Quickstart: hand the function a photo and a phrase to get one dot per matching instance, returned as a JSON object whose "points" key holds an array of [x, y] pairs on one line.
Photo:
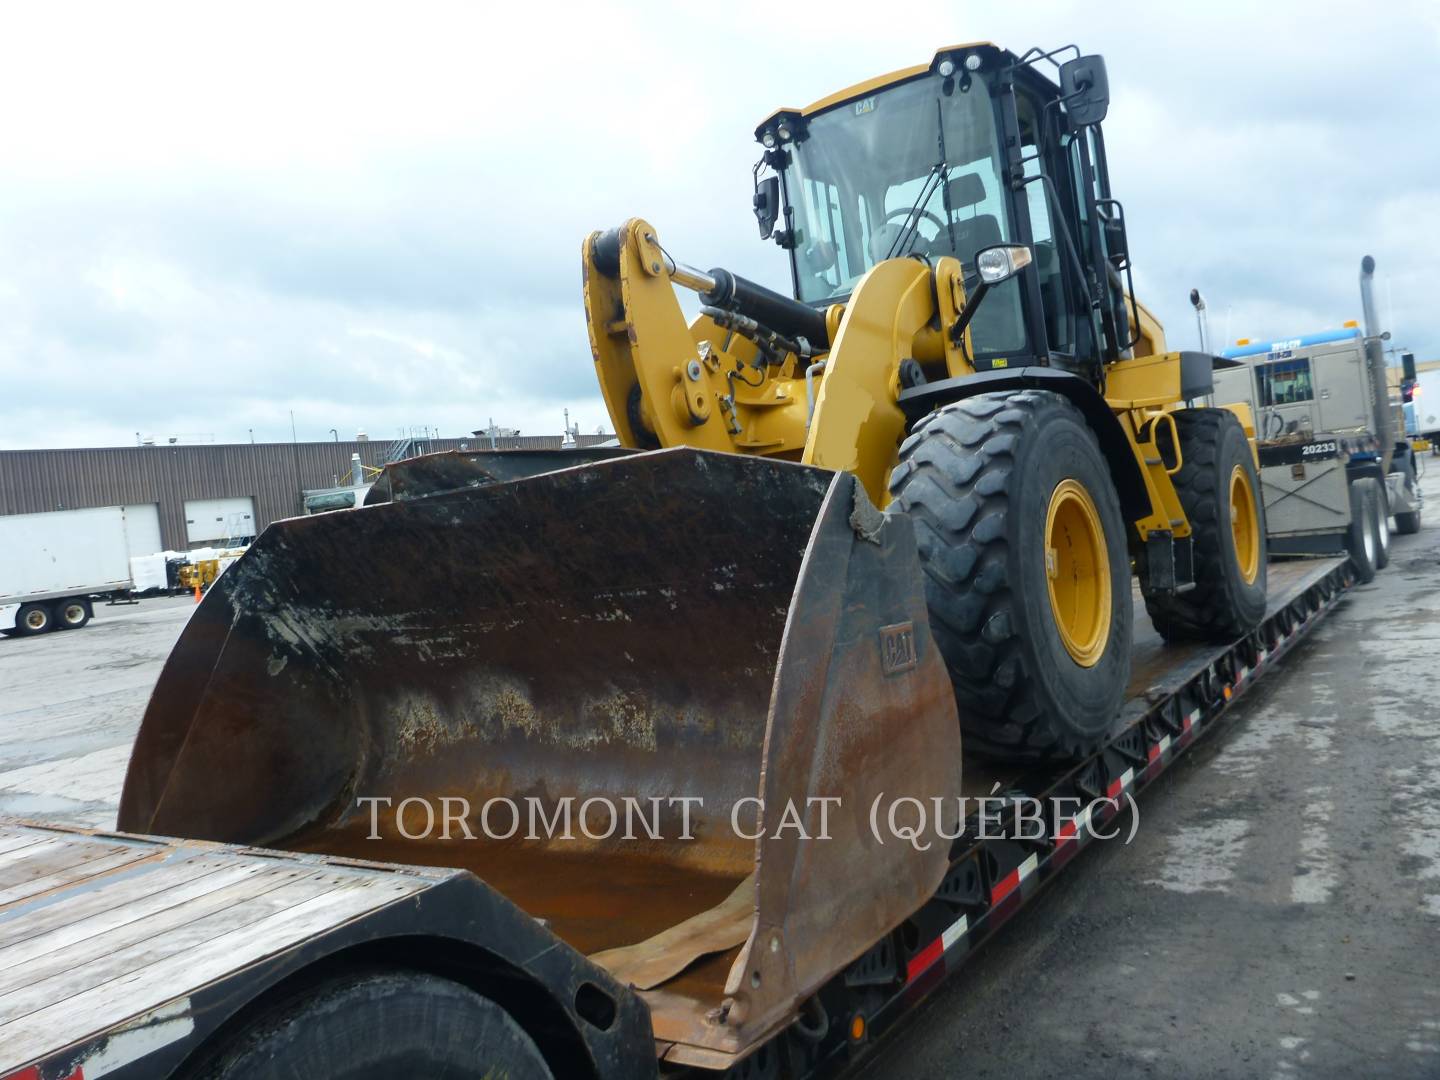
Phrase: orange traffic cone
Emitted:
{"points": [[197, 592]]}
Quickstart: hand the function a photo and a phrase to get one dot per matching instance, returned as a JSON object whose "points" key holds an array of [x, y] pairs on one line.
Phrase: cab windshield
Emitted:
{"points": [[862, 167]]}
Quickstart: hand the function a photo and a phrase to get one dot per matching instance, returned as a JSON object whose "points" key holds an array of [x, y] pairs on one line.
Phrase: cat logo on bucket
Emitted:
{"points": [[897, 648]]}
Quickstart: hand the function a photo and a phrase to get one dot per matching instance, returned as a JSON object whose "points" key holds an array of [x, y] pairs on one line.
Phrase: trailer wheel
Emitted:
{"points": [[1361, 539], [72, 613], [34, 619], [1408, 524], [1027, 579], [1219, 490], [378, 1025]]}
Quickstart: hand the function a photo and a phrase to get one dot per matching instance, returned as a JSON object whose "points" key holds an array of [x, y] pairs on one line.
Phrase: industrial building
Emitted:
{"points": [[179, 497]]}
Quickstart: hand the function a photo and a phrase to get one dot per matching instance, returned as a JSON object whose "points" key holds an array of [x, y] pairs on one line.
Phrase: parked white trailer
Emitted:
{"points": [[53, 565]]}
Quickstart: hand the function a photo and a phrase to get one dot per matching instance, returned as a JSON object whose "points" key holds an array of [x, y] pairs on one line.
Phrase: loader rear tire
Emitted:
{"points": [[1027, 580], [1219, 490], [377, 1025]]}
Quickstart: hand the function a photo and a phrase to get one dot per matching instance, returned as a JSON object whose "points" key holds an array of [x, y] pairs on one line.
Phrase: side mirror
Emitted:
{"points": [[1085, 90], [767, 205]]}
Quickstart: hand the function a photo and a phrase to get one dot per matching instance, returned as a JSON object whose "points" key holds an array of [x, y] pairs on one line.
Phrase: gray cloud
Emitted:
{"points": [[378, 225]]}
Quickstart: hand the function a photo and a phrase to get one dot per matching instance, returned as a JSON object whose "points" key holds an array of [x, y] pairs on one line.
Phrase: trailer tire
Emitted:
{"points": [[377, 1025], [72, 613], [1407, 524], [1217, 482], [1003, 489], [1382, 525], [1361, 540], [34, 619]]}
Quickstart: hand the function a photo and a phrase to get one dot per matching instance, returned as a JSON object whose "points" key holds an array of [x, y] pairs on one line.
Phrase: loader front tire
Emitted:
{"points": [[1219, 490], [1027, 580]]}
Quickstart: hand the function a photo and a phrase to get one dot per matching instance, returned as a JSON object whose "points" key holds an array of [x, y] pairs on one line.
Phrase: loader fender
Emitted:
{"points": [[1129, 483]]}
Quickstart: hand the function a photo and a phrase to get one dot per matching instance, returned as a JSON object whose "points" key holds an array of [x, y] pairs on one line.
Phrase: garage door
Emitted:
{"points": [[216, 521], [142, 529]]}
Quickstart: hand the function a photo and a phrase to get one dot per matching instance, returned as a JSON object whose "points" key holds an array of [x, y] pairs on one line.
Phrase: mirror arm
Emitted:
{"points": [[972, 304]]}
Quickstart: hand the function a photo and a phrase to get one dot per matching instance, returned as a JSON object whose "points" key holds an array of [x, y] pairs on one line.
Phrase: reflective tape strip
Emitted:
{"points": [[1011, 881], [1159, 748], [1120, 784], [928, 956]]}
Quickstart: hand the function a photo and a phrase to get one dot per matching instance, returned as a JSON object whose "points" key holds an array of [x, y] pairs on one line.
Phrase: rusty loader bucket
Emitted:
{"points": [[616, 692]]}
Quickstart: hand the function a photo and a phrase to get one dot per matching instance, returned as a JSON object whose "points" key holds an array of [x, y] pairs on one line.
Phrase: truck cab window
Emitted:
{"points": [[1284, 382]]}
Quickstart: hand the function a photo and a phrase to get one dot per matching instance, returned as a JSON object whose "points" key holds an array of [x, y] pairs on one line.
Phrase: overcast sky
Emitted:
{"points": [[214, 215]]}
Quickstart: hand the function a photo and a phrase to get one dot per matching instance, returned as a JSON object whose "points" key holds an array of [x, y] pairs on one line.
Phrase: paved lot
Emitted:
{"points": [[1278, 914], [70, 706]]}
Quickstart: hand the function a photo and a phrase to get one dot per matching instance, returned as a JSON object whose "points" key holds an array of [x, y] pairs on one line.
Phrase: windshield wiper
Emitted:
{"points": [[912, 217], [939, 173]]}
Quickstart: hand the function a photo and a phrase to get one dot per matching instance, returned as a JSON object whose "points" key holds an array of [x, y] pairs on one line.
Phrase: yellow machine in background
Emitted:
{"points": [[963, 339], [200, 573]]}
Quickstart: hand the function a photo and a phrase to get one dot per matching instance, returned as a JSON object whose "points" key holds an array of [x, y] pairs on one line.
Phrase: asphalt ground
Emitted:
{"points": [[1278, 912]]}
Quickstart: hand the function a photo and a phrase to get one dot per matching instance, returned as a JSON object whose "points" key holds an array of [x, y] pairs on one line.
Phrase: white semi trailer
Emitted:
{"points": [[54, 565]]}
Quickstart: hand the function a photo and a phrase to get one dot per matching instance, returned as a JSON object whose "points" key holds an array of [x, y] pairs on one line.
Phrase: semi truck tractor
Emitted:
{"points": [[1335, 465]]}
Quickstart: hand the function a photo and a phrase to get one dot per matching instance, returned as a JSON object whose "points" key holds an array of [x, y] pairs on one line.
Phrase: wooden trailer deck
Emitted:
{"points": [[100, 930]]}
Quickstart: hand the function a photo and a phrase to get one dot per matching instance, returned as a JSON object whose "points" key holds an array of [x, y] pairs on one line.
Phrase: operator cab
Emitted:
{"points": [[974, 150]]}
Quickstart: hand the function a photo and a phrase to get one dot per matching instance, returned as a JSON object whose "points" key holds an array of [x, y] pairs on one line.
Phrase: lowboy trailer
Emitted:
{"points": [[141, 956]]}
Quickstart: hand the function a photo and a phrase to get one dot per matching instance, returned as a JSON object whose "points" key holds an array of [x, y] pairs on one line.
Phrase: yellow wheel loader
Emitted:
{"points": [[652, 695], [963, 339]]}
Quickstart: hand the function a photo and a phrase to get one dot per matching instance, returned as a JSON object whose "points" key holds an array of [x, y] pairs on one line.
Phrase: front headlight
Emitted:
{"points": [[1002, 262]]}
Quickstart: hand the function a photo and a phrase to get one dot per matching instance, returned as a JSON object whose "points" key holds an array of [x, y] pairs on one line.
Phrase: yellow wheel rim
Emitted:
{"points": [[1244, 524], [1077, 567]]}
